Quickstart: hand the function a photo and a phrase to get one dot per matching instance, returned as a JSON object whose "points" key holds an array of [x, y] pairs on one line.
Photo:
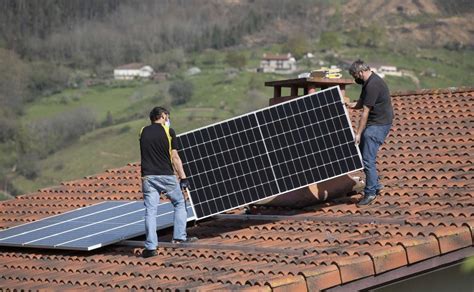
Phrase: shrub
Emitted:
{"points": [[8, 126], [236, 60], [329, 41], [297, 46], [181, 91], [109, 120], [46, 78], [125, 129], [27, 166], [48, 135], [59, 166]]}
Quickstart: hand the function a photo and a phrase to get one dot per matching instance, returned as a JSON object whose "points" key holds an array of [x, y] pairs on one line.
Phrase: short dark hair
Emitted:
{"points": [[156, 113], [358, 66]]}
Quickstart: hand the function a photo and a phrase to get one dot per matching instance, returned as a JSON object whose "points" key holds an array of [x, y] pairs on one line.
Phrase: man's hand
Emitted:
{"points": [[185, 194], [184, 183], [351, 105], [357, 139]]}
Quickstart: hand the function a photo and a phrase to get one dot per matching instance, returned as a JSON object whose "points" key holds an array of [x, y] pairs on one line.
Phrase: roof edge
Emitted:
{"points": [[406, 272]]}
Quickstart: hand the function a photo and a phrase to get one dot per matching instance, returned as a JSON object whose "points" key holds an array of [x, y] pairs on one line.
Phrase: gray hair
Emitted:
{"points": [[358, 66]]}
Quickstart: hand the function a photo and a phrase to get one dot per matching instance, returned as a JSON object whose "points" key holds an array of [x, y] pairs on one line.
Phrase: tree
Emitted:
{"points": [[329, 41], [372, 36], [8, 125], [376, 36], [27, 166], [168, 61], [210, 57], [13, 80], [236, 60], [46, 78], [109, 120], [48, 135], [181, 91], [298, 46]]}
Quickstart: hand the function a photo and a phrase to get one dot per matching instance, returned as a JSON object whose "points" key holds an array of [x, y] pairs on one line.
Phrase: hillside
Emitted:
{"points": [[218, 95], [63, 117], [424, 23], [94, 34]]}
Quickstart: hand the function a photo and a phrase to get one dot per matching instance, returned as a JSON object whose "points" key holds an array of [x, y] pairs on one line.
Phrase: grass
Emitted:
{"points": [[4, 196], [101, 99], [96, 151], [450, 68], [226, 90], [219, 93], [98, 98]]}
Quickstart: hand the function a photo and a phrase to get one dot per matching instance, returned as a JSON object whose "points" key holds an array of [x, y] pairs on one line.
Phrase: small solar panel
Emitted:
{"points": [[269, 152], [88, 228]]}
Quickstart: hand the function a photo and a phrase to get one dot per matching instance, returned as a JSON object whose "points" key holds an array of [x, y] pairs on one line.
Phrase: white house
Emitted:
{"points": [[193, 71], [132, 71], [384, 70], [389, 70], [278, 63]]}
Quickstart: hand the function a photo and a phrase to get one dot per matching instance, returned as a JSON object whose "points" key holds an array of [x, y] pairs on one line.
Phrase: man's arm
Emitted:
{"points": [[177, 164], [362, 123]]}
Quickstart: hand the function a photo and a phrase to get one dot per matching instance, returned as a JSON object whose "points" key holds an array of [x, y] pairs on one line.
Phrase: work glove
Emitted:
{"points": [[184, 183]]}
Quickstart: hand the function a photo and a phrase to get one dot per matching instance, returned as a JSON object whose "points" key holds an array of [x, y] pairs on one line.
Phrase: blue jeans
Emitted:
{"points": [[370, 142], [152, 186]]}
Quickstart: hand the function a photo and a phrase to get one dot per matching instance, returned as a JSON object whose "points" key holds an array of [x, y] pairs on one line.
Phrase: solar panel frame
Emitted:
{"points": [[225, 132]]}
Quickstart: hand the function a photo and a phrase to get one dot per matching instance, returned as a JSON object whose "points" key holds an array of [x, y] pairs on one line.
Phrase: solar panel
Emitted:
{"points": [[88, 228], [269, 152]]}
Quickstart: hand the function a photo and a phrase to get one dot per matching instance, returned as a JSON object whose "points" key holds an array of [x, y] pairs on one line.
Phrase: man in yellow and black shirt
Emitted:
{"points": [[159, 161]]}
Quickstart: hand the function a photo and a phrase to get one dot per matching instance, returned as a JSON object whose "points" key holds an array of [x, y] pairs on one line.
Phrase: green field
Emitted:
{"points": [[219, 93], [116, 99]]}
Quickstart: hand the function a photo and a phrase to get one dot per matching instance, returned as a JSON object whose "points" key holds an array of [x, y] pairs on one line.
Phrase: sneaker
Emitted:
{"points": [[366, 200], [187, 240], [148, 253]]}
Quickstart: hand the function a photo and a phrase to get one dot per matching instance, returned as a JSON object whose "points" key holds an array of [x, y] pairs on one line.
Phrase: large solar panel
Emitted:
{"points": [[269, 152], [88, 228]]}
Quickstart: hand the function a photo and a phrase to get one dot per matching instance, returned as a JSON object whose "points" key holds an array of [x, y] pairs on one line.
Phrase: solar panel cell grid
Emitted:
{"points": [[269, 152]]}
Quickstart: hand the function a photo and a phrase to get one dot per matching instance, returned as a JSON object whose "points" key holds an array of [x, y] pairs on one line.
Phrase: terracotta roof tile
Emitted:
{"points": [[425, 211], [453, 238], [322, 277], [289, 283], [354, 267]]}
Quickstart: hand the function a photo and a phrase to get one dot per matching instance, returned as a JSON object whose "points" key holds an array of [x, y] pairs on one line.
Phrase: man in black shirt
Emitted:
{"points": [[374, 125], [159, 161]]}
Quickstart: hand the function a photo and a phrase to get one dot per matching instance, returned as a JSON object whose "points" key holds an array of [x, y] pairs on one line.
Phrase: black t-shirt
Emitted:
{"points": [[375, 94], [156, 143]]}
